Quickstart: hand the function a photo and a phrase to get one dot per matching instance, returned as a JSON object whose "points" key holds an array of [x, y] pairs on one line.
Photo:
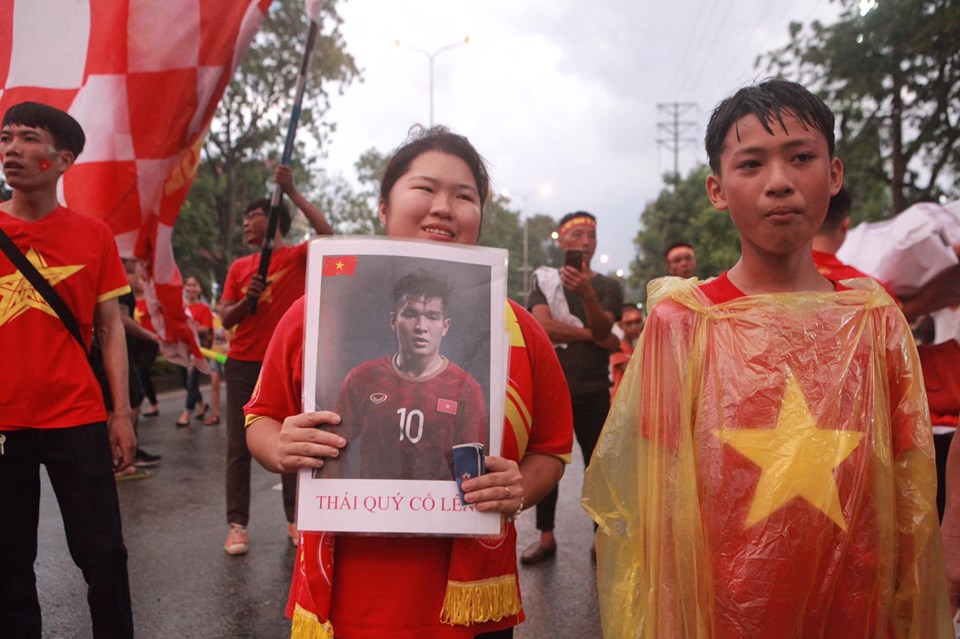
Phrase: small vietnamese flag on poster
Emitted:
{"points": [[447, 406], [339, 264]]}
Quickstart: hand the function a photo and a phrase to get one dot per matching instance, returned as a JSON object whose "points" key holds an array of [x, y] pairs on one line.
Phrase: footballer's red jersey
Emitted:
{"points": [[398, 427], [45, 380], [286, 280], [394, 586]]}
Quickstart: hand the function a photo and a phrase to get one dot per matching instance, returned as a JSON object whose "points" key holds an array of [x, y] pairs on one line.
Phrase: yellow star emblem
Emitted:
{"points": [[267, 296], [796, 457], [17, 294], [339, 265]]}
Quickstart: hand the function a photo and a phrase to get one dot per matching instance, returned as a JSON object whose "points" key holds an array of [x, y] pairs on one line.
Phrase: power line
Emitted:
{"points": [[674, 128]]}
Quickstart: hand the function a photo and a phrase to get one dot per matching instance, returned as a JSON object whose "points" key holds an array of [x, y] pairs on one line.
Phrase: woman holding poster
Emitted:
{"points": [[433, 188]]}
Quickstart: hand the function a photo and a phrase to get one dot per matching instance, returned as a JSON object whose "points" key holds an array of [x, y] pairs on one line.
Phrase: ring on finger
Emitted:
{"points": [[506, 489]]}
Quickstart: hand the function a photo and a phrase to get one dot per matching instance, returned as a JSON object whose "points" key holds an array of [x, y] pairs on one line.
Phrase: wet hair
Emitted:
{"points": [[675, 245], [768, 101], [837, 211], [283, 220], [441, 139], [66, 132], [421, 285]]}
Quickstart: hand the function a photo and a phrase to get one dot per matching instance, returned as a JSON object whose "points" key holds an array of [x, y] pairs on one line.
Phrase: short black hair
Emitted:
{"points": [[838, 210], [570, 216], [421, 284], [677, 244], [283, 219], [631, 306], [66, 132], [768, 101], [421, 140]]}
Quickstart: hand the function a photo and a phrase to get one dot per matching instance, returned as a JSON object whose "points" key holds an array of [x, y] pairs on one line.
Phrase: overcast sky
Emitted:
{"points": [[554, 93]]}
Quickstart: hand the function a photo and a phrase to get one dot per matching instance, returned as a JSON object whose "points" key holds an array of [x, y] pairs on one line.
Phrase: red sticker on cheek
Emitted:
{"points": [[44, 165]]}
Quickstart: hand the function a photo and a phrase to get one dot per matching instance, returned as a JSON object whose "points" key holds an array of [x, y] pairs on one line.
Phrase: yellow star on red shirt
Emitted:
{"points": [[796, 457], [17, 294], [267, 296]]}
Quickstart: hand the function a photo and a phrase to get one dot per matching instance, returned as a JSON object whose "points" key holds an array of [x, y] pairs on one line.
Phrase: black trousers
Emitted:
{"points": [[142, 353], [941, 446], [241, 378], [589, 414], [78, 462]]}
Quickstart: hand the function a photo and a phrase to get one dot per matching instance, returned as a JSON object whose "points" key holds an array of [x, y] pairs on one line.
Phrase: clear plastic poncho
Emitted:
{"points": [[767, 470]]}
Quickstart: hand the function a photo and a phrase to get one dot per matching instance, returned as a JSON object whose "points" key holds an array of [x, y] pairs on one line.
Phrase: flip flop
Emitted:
{"points": [[151, 413], [213, 420], [180, 424]]}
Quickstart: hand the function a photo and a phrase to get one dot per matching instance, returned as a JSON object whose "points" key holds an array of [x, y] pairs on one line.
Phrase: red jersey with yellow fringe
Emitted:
{"points": [[369, 587]]}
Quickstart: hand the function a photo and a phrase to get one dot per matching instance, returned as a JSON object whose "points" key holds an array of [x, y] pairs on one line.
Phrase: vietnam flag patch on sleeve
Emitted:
{"points": [[447, 406], [339, 264]]}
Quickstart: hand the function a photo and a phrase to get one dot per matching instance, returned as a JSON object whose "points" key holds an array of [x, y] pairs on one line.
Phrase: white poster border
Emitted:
{"points": [[399, 506]]}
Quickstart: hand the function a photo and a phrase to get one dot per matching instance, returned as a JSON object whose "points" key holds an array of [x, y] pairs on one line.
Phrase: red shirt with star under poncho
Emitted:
{"points": [[45, 380], [395, 586], [286, 280], [781, 482]]}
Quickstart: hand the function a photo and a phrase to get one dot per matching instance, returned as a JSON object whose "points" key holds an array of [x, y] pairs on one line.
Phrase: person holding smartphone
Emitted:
{"points": [[577, 309]]}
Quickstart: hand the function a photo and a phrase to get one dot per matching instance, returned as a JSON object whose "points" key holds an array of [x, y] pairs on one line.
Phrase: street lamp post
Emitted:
{"points": [[526, 268], [431, 56]]}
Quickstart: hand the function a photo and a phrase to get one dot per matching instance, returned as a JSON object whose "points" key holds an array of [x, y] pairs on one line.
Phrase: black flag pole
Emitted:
{"points": [[266, 250]]}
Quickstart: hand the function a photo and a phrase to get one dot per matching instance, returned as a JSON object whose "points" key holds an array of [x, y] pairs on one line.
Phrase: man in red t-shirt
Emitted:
{"points": [[940, 292], [284, 283], [435, 403], [53, 412]]}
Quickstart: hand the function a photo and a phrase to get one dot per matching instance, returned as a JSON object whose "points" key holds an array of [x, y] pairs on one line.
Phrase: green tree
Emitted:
{"points": [[503, 227], [683, 212], [247, 134], [352, 210], [891, 72]]}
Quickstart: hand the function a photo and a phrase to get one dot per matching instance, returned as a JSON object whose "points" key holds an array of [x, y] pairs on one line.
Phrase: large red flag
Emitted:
{"points": [[143, 78]]}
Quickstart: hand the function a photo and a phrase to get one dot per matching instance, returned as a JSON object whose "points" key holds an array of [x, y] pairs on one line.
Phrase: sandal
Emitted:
{"points": [[213, 420], [202, 412], [180, 424]]}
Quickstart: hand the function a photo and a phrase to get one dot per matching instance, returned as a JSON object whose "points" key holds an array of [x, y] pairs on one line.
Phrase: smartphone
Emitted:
{"points": [[574, 258]]}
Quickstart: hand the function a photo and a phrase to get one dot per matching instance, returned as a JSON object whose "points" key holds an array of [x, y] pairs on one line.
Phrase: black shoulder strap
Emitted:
{"points": [[41, 286]]}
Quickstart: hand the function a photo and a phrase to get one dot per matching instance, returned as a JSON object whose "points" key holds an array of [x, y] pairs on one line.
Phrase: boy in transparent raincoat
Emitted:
{"points": [[767, 469]]}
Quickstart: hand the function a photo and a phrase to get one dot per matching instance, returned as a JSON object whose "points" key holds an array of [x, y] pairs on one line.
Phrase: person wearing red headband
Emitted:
{"points": [[577, 310], [681, 260]]}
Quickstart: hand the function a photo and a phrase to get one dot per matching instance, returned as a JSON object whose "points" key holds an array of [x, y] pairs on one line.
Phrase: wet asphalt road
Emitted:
{"points": [[185, 586]]}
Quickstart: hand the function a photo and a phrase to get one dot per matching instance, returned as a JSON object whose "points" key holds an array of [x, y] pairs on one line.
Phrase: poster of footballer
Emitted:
{"points": [[407, 342]]}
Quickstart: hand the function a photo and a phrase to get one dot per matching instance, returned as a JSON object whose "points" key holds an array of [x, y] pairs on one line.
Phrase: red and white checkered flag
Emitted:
{"points": [[143, 78]]}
